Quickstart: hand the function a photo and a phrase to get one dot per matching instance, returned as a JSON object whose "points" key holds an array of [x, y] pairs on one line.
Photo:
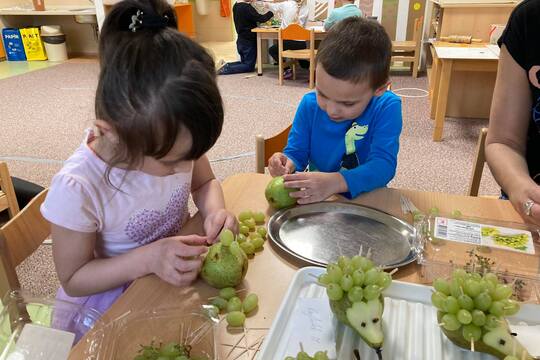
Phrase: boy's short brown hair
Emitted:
{"points": [[356, 50]]}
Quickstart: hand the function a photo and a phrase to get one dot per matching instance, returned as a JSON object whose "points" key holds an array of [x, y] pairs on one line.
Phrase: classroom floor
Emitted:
{"points": [[45, 112]]}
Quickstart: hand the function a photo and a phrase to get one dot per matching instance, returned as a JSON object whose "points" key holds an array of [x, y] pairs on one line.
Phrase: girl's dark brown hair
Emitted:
{"points": [[154, 83]]}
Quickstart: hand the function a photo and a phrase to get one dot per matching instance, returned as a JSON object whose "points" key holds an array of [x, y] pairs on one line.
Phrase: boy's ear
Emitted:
{"points": [[105, 129], [381, 89]]}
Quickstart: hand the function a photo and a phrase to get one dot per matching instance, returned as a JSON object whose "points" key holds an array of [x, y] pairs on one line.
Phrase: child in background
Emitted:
{"points": [[119, 201], [245, 19], [347, 9], [348, 130]]}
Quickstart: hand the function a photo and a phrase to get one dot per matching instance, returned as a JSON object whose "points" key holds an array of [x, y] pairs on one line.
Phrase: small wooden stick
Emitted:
{"points": [[258, 348], [182, 341], [246, 342], [368, 255], [361, 249], [523, 355], [472, 344], [394, 271], [235, 345], [301, 347], [442, 324], [242, 353]]}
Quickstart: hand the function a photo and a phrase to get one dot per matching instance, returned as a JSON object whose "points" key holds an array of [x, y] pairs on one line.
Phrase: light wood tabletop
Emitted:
{"points": [[271, 271]]}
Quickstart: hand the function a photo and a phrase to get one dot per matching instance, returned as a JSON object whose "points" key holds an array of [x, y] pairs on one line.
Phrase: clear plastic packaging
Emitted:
{"points": [[124, 338], [510, 250], [41, 328]]}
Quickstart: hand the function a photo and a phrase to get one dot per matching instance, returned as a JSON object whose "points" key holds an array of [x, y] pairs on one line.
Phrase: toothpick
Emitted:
{"points": [[243, 352], [394, 271], [523, 355], [461, 289], [442, 324], [301, 347], [247, 346], [258, 348], [472, 344], [235, 345], [361, 249], [368, 255], [182, 334]]}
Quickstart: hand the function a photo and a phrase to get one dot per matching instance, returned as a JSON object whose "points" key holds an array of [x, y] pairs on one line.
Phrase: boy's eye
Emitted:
{"points": [[348, 104]]}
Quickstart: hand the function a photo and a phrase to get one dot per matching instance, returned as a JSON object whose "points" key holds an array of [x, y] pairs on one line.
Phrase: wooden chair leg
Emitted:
{"points": [[312, 74], [294, 70], [415, 64], [280, 70]]}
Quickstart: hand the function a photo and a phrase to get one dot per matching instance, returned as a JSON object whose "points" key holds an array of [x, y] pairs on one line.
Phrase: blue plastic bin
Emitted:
{"points": [[13, 44]]}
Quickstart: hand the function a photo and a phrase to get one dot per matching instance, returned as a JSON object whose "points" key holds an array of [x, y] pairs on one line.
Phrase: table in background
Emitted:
{"points": [[271, 271], [449, 58], [271, 33]]}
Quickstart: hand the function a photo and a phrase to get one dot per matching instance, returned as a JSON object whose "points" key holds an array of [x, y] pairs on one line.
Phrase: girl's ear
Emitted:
{"points": [[105, 129]]}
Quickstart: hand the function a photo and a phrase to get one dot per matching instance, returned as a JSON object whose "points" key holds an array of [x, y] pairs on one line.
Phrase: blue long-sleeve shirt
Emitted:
{"points": [[320, 143]]}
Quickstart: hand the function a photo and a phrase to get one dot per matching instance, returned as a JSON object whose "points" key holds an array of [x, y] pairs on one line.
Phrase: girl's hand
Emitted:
{"points": [[315, 186], [279, 165], [218, 220], [177, 259], [521, 194]]}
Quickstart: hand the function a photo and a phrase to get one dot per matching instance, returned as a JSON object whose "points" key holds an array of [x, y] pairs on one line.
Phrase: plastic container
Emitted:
{"points": [[124, 337], [55, 42], [39, 328], [485, 246], [13, 44]]}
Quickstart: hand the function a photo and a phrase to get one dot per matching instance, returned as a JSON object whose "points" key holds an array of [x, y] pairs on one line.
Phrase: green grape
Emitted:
{"points": [[482, 301], [450, 322], [358, 277], [459, 274], [290, 358], [343, 261], [491, 277], [248, 247], [334, 292], [464, 316], [254, 235], [234, 304], [451, 305], [442, 285], [489, 286], [492, 321], [371, 277], [170, 349], [227, 293], [211, 311], [472, 288], [320, 355], [476, 276], [434, 211], [346, 282], [244, 230], [226, 237], [348, 269], [356, 261], [324, 279], [335, 273], [302, 355], [259, 217], [262, 231], [245, 215], [511, 307], [385, 280], [356, 294], [456, 214], [257, 243], [497, 308], [502, 291], [250, 303], [250, 223], [372, 292], [438, 298], [240, 238], [471, 332], [465, 302], [220, 303], [365, 263], [478, 317], [236, 318], [510, 357], [456, 289]]}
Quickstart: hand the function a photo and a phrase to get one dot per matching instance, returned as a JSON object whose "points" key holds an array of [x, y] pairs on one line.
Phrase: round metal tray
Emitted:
{"points": [[319, 233]]}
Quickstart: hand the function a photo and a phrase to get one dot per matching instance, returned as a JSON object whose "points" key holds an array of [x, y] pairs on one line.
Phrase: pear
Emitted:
{"points": [[224, 266], [497, 341], [278, 195]]}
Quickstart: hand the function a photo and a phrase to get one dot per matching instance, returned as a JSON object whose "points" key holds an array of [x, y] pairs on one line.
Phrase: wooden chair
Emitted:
{"points": [[8, 199], [478, 166], [409, 51], [19, 238], [297, 32], [264, 148]]}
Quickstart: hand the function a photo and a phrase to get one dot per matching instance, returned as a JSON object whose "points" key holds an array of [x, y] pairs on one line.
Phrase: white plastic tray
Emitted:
{"points": [[409, 323]]}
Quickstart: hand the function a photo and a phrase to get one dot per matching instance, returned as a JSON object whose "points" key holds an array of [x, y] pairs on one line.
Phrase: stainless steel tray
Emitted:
{"points": [[319, 233]]}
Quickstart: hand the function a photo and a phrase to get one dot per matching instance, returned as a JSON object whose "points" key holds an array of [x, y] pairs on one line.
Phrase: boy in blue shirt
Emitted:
{"points": [[348, 130], [347, 9]]}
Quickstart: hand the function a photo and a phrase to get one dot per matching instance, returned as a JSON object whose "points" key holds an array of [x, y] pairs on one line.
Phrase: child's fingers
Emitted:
{"points": [[231, 224], [185, 265], [193, 239], [188, 277], [185, 250], [301, 194], [298, 184]]}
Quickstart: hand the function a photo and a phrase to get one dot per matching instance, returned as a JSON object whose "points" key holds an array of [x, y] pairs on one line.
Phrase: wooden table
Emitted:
{"points": [[272, 34], [271, 271], [450, 58]]}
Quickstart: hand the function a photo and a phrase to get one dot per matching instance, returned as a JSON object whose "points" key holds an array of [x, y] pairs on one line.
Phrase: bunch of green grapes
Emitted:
{"points": [[472, 303], [251, 237], [302, 355], [170, 351], [356, 277], [235, 308]]}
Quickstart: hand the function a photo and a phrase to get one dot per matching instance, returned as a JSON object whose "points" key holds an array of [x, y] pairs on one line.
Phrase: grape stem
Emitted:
{"points": [[394, 271], [472, 344]]}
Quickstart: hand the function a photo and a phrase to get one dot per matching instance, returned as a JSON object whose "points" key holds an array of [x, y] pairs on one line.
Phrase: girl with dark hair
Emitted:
{"points": [[118, 203]]}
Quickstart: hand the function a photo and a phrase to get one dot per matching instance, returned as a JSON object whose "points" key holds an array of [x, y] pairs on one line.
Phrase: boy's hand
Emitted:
{"points": [[177, 259], [218, 220], [279, 165], [315, 186]]}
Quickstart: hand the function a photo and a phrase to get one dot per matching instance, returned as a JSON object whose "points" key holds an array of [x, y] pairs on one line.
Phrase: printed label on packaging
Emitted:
{"points": [[484, 235]]}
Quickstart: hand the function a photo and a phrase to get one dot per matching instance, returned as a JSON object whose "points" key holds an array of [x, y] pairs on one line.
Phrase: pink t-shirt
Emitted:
{"points": [[146, 209]]}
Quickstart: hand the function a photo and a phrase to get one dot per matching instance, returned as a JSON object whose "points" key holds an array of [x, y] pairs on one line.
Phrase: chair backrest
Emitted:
{"points": [[264, 148], [478, 166], [319, 9], [8, 199], [295, 32], [417, 35], [19, 238]]}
